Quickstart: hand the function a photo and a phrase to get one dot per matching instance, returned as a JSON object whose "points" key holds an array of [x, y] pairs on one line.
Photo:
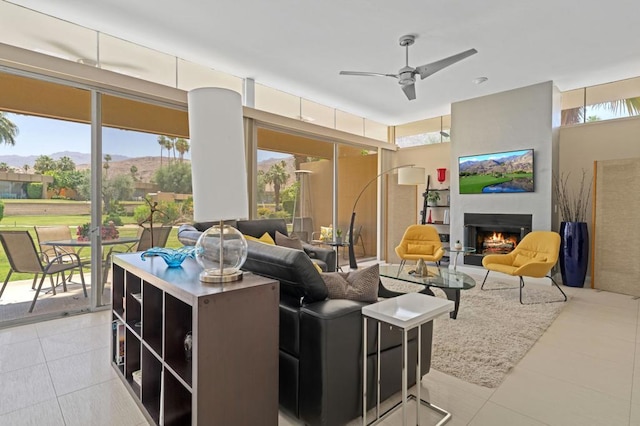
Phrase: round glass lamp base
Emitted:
{"points": [[216, 277], [221, 251]]}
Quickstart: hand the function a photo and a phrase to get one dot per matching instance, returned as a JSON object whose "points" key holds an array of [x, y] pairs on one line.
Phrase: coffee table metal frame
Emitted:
{"points": [[447, 280], [406, 312]]}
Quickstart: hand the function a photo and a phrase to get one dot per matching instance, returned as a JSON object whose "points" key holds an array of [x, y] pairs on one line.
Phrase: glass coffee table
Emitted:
{"points": [[449, 281]]}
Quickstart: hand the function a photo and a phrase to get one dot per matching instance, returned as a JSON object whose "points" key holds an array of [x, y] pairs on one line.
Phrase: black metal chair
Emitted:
{"points": [[24, 258]]}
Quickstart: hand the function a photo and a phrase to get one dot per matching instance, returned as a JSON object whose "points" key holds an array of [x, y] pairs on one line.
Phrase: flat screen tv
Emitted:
{"points": [[499, 172]]}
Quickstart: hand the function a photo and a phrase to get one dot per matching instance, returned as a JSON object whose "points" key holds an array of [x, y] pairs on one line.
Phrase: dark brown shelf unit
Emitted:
{"points": [[235, 343], [152, 299]]}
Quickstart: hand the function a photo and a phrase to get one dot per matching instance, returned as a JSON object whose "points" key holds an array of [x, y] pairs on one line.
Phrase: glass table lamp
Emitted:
{"points": [[219, 178]]}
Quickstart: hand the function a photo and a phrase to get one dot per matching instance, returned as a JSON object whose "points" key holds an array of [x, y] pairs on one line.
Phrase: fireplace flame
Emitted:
{"points": [[497, 243]]}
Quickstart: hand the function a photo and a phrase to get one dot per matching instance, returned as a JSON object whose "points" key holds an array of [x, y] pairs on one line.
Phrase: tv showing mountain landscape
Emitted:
{"points": [[509, 172]]}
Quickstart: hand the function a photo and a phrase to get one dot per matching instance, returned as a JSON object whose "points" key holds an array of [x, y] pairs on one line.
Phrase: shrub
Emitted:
{"points": [[167, 213], [115, 218], [34, 190], [264, 212], [1, 210], [280, 214]]}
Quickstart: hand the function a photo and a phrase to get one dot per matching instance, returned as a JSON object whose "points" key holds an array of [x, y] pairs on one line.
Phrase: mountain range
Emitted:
{"points": [[78, 157], [511, 164]]}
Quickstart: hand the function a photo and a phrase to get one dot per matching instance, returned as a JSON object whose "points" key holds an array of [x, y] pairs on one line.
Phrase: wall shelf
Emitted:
{"points": [[235, 343]]}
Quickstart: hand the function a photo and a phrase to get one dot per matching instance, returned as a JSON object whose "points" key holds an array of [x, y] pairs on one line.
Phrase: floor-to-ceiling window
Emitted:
{"points": [[295, 180], [45, 145]]}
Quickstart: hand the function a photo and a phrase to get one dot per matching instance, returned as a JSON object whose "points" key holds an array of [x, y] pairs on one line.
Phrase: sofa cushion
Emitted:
{"points": [[297, 275], [290, 242], [203, 226], [256, 228], [360, 285], [265, 238]]}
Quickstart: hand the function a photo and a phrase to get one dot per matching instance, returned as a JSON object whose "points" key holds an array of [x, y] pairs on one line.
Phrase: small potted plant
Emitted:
{"points": [[457, 245], [338, 236], [433, 197]]}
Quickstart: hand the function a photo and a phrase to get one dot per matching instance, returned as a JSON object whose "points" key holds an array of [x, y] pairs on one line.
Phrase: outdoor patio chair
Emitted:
{"points": [[357, 239], [24, 258], [160, 237], [58, 233]]}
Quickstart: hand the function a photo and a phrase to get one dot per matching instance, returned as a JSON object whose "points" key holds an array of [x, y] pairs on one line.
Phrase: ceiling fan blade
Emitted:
{"points": [[65, 48], [432, 68], [371, 74], [410, 91]]}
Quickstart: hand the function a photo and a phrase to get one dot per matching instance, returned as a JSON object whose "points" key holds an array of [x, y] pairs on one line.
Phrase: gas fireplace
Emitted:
{"points": [[493, 234]]}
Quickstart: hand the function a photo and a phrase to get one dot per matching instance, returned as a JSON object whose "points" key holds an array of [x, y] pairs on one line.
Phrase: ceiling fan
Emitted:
{"points": [[407, 75], [79, 57]]}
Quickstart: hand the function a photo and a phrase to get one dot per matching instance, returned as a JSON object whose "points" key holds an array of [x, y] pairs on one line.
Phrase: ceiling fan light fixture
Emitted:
{"points": [[480, 80]]}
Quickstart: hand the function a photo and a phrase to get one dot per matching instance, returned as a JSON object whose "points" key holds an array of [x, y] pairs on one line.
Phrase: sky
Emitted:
{"points": [[492, 156], [44, 136]]}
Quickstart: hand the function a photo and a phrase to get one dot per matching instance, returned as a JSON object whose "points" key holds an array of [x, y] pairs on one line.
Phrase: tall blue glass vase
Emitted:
{"points": [[574, 253]]}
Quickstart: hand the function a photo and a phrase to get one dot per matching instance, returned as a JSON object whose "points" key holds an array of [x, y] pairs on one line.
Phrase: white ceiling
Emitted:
{"points": [[300, 46]]}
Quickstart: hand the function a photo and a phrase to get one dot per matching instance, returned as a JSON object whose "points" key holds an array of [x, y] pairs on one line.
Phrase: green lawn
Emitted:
{"points": [[474, 184], [22, 223]]}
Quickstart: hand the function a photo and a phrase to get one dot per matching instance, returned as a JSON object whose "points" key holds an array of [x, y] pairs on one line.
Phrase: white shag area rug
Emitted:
{"points": [[493, 330]]}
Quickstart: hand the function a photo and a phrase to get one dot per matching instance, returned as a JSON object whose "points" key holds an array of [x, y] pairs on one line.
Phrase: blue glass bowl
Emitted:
{"points": [[173, 258]]}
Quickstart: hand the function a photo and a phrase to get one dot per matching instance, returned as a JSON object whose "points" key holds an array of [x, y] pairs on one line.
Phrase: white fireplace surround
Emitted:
{"points": [[517, 119]]}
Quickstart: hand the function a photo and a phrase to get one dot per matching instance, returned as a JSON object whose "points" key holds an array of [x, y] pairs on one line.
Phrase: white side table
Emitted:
{"points": [[406, 312]]}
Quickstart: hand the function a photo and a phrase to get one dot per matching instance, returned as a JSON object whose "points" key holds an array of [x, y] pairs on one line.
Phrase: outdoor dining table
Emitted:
{"points": [[129, 242]]}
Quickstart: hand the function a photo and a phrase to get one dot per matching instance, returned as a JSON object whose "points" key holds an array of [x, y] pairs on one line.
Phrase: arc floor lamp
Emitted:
{"points": [[408, 174]]}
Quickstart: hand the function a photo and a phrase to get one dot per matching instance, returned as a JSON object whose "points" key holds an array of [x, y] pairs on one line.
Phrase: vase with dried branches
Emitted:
{"points": [[574, 249], [571, 202]]}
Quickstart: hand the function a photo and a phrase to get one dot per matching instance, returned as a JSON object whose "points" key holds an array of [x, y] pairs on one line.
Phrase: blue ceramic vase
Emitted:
{"points": [[574, 253]]}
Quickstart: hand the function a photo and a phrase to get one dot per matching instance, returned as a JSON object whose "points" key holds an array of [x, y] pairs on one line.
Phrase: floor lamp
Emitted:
{"points": [[408, 174]]}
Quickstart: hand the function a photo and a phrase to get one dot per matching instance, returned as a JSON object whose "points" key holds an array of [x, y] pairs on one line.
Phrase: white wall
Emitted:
{"points": [[430, 157], [517, 119]]}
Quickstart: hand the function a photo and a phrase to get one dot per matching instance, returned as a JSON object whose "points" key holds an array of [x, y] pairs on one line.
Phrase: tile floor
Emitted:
{"points": [[582, 371]]}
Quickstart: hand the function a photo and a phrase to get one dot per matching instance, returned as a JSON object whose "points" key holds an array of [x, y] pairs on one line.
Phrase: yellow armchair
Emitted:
{"points": [[420, 242], [534, 256]]}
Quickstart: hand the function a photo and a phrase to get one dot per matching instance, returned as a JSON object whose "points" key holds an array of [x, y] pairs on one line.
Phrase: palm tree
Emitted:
{"points": [[162, 141], [134, 172], [182, 145], [629, 106], [277, 175], [106, 165], [66, 164], [43, 164], [26, 168], [169, 145], [8, 130]]}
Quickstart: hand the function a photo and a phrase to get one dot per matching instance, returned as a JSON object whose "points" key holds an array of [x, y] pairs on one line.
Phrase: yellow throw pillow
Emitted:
{"points": [[426, 249], [266, 239], [326, 233], [317, 267]]}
